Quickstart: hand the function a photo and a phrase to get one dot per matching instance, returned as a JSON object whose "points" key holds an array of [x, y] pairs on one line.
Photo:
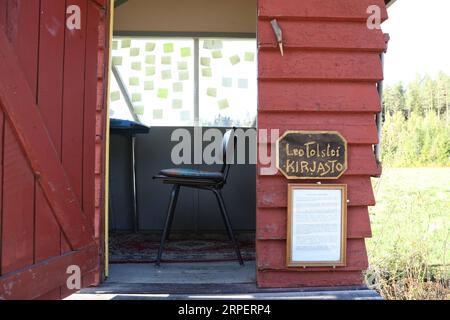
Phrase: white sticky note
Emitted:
{"points": [[227, 82], [243, 84]]}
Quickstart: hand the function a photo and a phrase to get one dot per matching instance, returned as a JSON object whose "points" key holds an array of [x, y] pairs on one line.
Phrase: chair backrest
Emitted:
{"points": [[229, 140]]}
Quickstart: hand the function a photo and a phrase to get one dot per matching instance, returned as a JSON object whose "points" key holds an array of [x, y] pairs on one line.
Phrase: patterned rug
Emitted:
{"points": [[143, 248]]}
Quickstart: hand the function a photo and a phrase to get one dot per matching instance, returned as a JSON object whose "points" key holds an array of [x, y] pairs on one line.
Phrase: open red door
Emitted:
{"points": [[50, 77]]}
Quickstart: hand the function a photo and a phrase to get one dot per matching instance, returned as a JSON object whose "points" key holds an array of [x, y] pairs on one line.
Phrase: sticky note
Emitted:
{"points": [[134, 81], [212, 44], [134, 52], [235, 60], [136, 97], [185, 115], [148, 85], [183, 75], [115, 96], [149, 71], [206, 62], [166, 74], [243, 84], [126, 43], [206, 72], [182, 65], [249, 56], [227, 82], [139, 110], [149, 46], [166, 60], [185, 52], [117, 61], [217, 54], [168, 47], [212, 92], [223, 104], [163, 93], [136, 66], [177, 103], [178, 87], [150, 59], [157, 114], [115, 45]]}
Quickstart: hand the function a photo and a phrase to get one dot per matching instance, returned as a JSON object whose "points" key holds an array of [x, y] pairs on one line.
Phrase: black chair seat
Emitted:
{"points": [[192, 174]]}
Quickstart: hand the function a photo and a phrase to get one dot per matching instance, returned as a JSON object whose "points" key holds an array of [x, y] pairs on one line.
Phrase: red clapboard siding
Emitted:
{"points": [[272, 256], [320, 65], [272, 190], [271, 223], [306, 96], [342, 10], [292, 279], [355, 132], [3, 12], [322, 35], [17, 210]]}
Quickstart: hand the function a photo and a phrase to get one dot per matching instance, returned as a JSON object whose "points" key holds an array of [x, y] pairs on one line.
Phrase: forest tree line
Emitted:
{"points": [[416, 128]]}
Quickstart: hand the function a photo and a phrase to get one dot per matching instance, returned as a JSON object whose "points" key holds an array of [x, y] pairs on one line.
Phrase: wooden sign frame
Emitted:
{"points": [[343, 243]]}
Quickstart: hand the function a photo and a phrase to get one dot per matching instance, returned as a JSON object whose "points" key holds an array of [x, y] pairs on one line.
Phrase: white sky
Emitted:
{"points": [[420, 39]]}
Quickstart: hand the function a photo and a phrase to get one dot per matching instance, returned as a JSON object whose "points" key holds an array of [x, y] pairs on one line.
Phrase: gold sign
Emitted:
{"points": [[312, 155]]}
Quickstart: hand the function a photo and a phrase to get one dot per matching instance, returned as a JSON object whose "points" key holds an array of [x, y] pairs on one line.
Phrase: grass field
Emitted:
{"points": [[410, 248]]}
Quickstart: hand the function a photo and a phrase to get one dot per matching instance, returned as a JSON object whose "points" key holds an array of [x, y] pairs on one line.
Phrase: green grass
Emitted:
{"points": [[409, 252]]}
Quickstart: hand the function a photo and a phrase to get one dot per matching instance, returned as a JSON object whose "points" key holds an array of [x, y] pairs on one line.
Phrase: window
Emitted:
{"points": [[184, 81]]}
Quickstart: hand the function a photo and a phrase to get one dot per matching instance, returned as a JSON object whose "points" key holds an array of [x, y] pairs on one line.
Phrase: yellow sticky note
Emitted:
{"points": [[182, 65], [223, 104], [136, 66], [178, 87], [168, 47], [117, 61], [206, 62], [212, 92], [115, 96], [139, 110], [134, 52], [148, 85], [183, 75], [134, 81], [157, 114], [235, 60], [166, 60], [150, 59], [177, 103], [163, 93], [126, 43], [149, 46], [166, 74], [206, 72], [185, 52], [149, 71], [249, 56], [217, 54], [115, 45], [136, 97]]}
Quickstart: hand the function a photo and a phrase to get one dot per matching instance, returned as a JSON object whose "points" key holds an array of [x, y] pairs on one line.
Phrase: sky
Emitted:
{"points": [[419, 39]]}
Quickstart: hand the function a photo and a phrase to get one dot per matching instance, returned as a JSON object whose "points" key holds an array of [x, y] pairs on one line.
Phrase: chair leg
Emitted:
{"points": [[226, 220], [168, 223]]}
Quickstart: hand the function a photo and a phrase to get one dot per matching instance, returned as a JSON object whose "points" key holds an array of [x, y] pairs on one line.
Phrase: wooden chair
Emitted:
{"points": [[197, 179]]}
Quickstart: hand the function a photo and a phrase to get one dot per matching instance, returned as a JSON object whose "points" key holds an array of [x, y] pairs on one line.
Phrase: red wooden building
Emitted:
{"points": [[53, 127]]}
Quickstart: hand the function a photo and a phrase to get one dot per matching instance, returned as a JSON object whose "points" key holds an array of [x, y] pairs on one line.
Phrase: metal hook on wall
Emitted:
{"points": [[278, 34]]}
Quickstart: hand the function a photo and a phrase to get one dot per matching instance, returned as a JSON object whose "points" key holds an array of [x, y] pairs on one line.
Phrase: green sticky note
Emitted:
{"points": [[115, 96], [217, 54], [168, 47], [166, 74], [149, 71], [182, 65], [206, 62], [185, 52], [178, 87], [150, 46], [249, 56], [117, 61], [139, 110], [235, 60], [148, 85], [134, 52], [212, 92], [163, 93], [177, 103], [207, 72], [126, 43], [227, 82], [183, 75], [136, 66], [223, 104], [157, 114], [115, 45], [136, 97], [166, 60], [150, 59], [134, 81]]}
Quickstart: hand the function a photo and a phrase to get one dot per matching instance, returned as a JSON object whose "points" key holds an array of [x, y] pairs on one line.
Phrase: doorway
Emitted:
{"points": [[179, 66]]}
